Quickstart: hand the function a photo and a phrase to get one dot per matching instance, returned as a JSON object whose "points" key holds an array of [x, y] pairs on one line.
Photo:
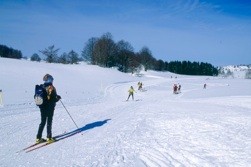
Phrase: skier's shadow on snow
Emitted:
{"points": [[84, 128]]}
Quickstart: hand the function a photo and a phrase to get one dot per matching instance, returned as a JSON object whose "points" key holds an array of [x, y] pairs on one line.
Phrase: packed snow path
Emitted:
{"points": [[198, 127]]}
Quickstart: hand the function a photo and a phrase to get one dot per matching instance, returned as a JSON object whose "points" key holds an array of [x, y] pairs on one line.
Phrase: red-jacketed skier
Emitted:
{"points": [[175, 88]]}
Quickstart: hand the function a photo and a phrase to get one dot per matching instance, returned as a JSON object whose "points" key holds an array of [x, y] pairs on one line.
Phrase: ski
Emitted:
{"points": [[56, 138], [33, 145], [40, 146], [132, 100]]}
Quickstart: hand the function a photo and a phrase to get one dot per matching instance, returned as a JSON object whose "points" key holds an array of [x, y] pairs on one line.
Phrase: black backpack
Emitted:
{"points": [[40, 95]]}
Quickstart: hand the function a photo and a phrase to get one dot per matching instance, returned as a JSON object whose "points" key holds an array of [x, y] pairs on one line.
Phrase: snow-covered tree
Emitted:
{"points": [[248, 74], [229, 73]]}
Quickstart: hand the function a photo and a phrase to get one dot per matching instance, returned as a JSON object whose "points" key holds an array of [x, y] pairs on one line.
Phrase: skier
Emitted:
{"points": [[179, 87], [47, 109], [205, 85], [1, 98], [131, 91], [175, 87], [140, 85]]}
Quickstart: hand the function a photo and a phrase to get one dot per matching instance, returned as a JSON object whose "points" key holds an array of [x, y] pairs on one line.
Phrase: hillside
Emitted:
{"points": [[237, 71], [197, 127]]}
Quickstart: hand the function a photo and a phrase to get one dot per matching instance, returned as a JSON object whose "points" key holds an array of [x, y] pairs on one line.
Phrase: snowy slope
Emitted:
{"points": [[237, 71], [198, 127]]}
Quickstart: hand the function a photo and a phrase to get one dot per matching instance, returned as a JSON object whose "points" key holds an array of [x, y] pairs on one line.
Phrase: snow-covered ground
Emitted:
{"points": [[198, 127], [237, 71]]}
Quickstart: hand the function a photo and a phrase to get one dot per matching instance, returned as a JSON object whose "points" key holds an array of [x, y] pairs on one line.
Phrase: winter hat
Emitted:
{"points": [[48, 78]]}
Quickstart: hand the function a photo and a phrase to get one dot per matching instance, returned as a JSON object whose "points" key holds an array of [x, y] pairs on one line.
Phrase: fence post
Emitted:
{"points": [[1, 98]]}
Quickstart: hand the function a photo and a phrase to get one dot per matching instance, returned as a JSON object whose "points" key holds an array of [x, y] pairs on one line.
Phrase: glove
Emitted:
{"points": [[58, 97]]}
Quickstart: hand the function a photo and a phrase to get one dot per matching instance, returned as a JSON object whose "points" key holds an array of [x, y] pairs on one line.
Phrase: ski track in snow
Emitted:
{"points": [[157, 129]]}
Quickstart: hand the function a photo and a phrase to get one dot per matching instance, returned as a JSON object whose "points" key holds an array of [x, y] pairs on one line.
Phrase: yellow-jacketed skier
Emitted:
{"points": [[131, 91]]}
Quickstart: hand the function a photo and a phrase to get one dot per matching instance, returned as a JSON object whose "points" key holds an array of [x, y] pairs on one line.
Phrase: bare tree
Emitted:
{"points": [[134, 63], [105, 51], [88, 51], [146, 58], [51, 54], [125, 55]]}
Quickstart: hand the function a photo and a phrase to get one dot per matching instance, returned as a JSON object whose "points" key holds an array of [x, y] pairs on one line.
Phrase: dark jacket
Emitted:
{"points": [[52, 97]]}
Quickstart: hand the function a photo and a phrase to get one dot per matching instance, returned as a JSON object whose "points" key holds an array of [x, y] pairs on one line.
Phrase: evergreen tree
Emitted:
{"points": [[35, 57], [73, 57], [8, 52], [64, 59], [160, 65]]}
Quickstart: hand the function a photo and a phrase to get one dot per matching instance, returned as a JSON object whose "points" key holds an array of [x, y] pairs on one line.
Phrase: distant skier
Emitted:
{"points": [[47, 109], [1, 98], [179, 88], [140, 85], [175, 88], [205, 86], [131, 92]]}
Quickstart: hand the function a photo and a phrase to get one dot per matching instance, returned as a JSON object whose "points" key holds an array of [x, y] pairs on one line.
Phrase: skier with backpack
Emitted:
{"points": [[46, 97]]}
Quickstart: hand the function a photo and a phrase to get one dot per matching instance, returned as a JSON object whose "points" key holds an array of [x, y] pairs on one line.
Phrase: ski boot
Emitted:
{"points": [[41, 140], [50, 140]]}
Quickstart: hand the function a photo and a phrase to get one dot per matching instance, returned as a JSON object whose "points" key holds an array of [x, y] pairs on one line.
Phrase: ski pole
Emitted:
{"points": [[69, 114]]}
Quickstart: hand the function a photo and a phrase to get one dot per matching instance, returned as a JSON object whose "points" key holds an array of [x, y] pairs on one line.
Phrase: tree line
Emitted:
{"points": [[105, 52], [8, 52], [51, 56]]}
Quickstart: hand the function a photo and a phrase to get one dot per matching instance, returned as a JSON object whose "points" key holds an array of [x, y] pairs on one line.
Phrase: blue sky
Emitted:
{"points": [[216, 31]]}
